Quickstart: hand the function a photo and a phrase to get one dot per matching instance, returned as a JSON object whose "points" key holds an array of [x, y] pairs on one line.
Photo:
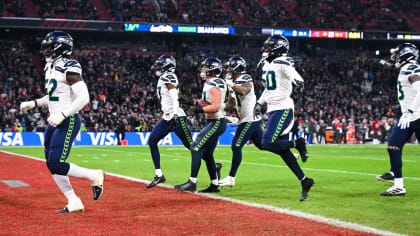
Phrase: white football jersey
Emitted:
{"points": [[245, 103], [406, 92], [278, 76], [58, 89], [164, 97], [219, 84]]}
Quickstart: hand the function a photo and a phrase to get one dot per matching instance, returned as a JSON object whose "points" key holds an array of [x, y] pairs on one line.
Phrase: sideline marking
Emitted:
{"points": [[317, 218], [15, 183]]}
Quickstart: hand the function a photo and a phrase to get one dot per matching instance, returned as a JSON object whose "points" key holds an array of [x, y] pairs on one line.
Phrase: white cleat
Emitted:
{"points": [[75, 205], [227, 181], [394, 191]]}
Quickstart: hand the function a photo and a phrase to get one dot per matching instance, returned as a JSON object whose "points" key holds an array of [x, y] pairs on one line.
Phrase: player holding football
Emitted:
{"points": [[279, 74], [66, 95], [173, 118], [214, 92], [405, 58], [249, 128]]}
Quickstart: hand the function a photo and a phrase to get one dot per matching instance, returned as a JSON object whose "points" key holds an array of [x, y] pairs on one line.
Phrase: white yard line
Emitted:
{"points": [[318, 218]]}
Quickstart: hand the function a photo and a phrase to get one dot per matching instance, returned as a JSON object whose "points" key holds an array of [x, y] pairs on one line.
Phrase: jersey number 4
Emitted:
{"points": [[51, 86], [269, 78]]}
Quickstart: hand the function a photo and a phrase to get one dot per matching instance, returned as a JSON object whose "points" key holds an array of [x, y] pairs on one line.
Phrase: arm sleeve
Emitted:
{"points": [[292, 74], [42, 102], [173, 93], [80, 90], [262, 99], [415, 105]]}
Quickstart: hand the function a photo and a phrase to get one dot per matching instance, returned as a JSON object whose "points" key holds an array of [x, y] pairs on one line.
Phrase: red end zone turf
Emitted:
{"points": [[129, 208]]}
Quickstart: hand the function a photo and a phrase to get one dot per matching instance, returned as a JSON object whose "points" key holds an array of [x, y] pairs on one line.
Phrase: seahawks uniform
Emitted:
{"points": [[162, 128], [59, 139], [248, 128], [278, 76], [406, 95], [206, 142]]}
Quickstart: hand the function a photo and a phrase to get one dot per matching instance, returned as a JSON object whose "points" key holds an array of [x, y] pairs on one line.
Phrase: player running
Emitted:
{"points": [[66, 95]]}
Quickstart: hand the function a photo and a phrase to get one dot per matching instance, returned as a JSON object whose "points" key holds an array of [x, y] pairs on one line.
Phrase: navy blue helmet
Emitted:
{"points": [[57, 44], [237, 64], [164, 64], [276, 45], [404, 53], [214, 67]]}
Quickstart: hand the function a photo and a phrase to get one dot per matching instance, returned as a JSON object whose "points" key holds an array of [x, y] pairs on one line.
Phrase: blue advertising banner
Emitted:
{"points": [[179, 29]]}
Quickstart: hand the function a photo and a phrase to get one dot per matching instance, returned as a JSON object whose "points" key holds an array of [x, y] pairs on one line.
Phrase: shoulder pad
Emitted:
{"points": [[412, 67], [211, 83], [405, 72], [72, 63], [282, 62], [171, 78]]}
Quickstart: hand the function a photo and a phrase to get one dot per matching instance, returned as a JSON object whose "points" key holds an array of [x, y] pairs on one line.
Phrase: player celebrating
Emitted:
{"points": [[279, 74], [249, 128], [66, 95], [405, 58], [213, 95], [173, 118]]}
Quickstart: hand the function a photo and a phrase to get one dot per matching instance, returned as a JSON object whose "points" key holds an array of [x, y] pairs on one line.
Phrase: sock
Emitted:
{"points": [[71, 196], [63, 183], [214, 182], [158, 172], [80, 172], [398, 182], [236, 160], [195, 162], [396, 162], [292, 163], [194, 180]]}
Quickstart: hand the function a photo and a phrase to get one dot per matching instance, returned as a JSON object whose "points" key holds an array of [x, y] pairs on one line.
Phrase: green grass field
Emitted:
{"points": [[345, 185]]}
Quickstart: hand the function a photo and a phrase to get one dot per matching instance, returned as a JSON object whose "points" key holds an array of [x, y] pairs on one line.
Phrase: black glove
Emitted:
{"points": [[299, 85], [172, 122], [185, 104], [258, 111], [197, 108]]}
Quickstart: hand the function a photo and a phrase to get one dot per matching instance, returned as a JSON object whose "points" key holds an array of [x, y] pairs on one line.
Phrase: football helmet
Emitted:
{"points": [[211, 67], [237, 64], [404, 53], [164, 64], [276, 46], [56, 44]]}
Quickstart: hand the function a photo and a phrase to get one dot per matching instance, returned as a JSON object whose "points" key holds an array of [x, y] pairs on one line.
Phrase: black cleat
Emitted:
{"points": [[300, 145], [306, 186], [189, 186], [218, 169], [387, 177], [64, 210], [97, 191], [211, 189], [156, 181]]}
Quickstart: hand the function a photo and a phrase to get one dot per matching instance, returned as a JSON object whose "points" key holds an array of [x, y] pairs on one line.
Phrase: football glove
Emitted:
{"points": [[197, 108], [185, 104], [56, 119], [229, 83], [405, 120], [299, 85], [24, 106], [172, 122], [258, 111]]}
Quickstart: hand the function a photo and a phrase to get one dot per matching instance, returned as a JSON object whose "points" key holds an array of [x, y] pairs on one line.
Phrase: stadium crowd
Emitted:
{"points": [[342, 89], [325, 14]]}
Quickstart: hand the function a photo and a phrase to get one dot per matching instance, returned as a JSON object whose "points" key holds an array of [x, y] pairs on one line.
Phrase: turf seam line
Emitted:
{"points": [[317, 218]]}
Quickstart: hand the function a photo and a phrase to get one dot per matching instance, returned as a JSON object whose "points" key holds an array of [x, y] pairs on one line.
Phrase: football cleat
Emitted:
{"points": [[74, 206], [307, 183], [211, 189], [387, 177], [394, 191], [227, 181], [301, 147], [156, 180], [218, 169], [189, 186], [98, 184]]}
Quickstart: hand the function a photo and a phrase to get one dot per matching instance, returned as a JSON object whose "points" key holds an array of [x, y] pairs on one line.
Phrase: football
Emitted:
{"points": [[203, 103]]}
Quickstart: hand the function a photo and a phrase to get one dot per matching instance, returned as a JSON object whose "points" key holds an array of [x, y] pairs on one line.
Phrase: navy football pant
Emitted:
{"points": [[245, 131], [58, 143], [274, 141], [396, 142], [161, 129], [204, 145]]}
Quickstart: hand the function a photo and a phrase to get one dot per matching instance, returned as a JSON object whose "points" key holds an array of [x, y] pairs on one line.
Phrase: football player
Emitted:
{"points": [[249, 128], [404, 57], [173, 117], [66, 95], [214, 93], [279, 75]]}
